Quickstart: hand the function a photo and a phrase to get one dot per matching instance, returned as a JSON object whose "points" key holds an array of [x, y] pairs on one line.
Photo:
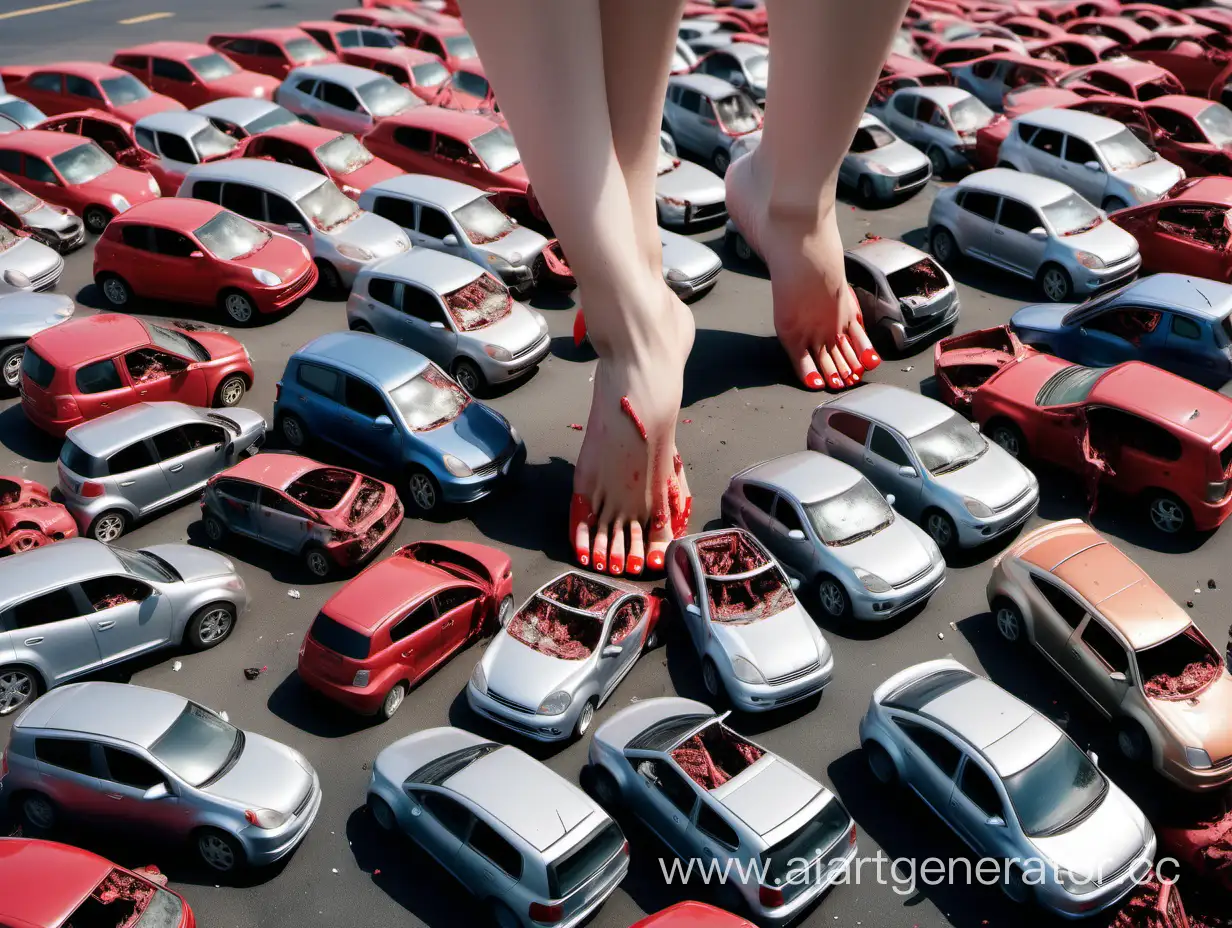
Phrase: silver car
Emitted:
{"points": [[25, 115], [461, 220], [714, 797], [241, 117], [1099, 157], [757, 644], [24, 314], [128, 464], [686, 193], [54, 226], [343, 97], [305, 206], [962, 488], [1011, 784], [880, 166], [745, 65], [940, 121], [905, 295], [830, 528], [126, 758], [1035, 228], [26, 263], [532, 846], [180, 140], [690, 268], [705, 115], [76, 606]]}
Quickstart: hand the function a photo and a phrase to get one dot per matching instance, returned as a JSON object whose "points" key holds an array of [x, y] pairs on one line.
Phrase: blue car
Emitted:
{"points": [[1173, 321], [391, 406]]}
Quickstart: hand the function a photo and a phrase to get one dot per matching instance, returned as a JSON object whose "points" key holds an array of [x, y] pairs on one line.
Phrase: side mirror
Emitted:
{"points": [[450, 240], [1118, 677], [794, 583], [995, 821], [382, 423], [197, 254], [1093, 757], [907, 471], [1038, 234], [612, 650], [796, 535], [890, 498], [692, 609], [157, 791], [436, 325], [1093, 166]]}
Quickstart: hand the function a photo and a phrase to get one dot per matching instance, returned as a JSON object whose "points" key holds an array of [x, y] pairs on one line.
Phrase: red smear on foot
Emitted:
{"points": [[576, 426], [627, 408]]}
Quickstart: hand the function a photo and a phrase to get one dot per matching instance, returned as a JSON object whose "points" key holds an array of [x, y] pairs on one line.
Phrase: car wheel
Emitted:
{"points": [[1009, 620], [1168, 514], [936, 157], [219, 851], [943, 246], [18, 687], [215, 531], [865, 191], [239, 307], [10, 367], [722, 161], [231, 391], [293, 430], [1132, 741], [502, 916], [1112, 204], [711, 679], [744, 251], [210, 625], [318, 562], [393, 701], [115, 290], [1010, 439], [468, 376], [506, 611], [96, 219], [329, 281], [585, 717], [423, 490], [382, 814], [108, 527], [833, 598], [362, 327], [1055, 283], [941, 530], [881, 764], [606, 790], [38, 813]]}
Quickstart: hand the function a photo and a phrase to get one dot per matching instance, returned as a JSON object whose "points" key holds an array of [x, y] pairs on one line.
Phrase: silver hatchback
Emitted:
{"points": [[76, 606], [122, 467], [26, 263], [152, 764], [343, 97], [905, 295]]}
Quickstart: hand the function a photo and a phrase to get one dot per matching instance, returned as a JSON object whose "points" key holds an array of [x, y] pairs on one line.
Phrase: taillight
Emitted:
{"points": [[851, 836], [546, 914], [770, 896], [277, 391], [91, 488]]}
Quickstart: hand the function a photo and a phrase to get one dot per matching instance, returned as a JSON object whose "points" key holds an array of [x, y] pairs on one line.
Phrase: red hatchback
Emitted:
{"points": [[48, 885], [72, 171], [85, 368], [443, 36], [468, 90], [418, 71], [192, 72], [692, 915], [340, 156], [271, 51], [191, 251], [401, 618], [84, 85]]}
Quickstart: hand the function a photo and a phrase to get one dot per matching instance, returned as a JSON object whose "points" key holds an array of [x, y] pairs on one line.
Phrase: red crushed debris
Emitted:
{"points": [[626, 619], [1181, 667], [557, 632], [1204, 224], [1192, 679], [729, 553], [322, 488], [10, 493], [118, 901], [715, 755], [918, 283], [111, 601], [449, 401], [580, 592], [1130, 324], [576, 426], [480, 303], [146, 364], [366, 500], [1099, 469]]}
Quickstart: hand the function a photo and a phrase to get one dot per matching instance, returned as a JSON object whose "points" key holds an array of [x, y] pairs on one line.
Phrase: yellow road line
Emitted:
{"points": [[45, 8], [148, 17]]}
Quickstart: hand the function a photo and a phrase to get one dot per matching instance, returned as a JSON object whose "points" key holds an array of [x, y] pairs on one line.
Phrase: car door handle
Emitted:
{"points": [[31, 642], [176, 468], [103, 626], [676, 819], [115, 796], [127, 483], [487, 874], [998, 231], [142, 392], [408, 653]]}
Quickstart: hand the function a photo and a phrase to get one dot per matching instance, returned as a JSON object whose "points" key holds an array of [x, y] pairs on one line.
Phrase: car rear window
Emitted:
{"points": [[37, 369], [576, 867], [123, 899], [340, 639], [807, 844], [80, 462]]}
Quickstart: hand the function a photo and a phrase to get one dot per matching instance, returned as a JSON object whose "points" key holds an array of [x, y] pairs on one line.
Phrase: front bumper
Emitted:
{"points": [[881, 606], [522, 719], [892, 186], [64, 240], [484, 479], [500, 371], [1087, 280], [1052, 898], [762, 697], [905, 336], [688, 213], [274, 299], [1196, 781], [696, 286], [264, 847], [973, 531]]}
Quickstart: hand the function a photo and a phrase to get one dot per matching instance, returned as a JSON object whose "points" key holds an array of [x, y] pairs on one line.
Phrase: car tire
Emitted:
{"points": [[882, 765], [1010, 624], [231, 391], [329, 281], [941, 243], [1112, 204], [1167, 513], [585, 719], [22, 686], [1055, 284], [938, 161], [10, 368], [833, 598], [37, 812], [210, 626], [95, 219], [218, 850], [468, 376], [721, 161], [866, 193], [318, 562], [238, 307], [382, 814], [606, 790], [115, 290], [293, 430], [502, 916], [422, 491], [108, 527], [942, 530], [744, 251], [1009, 438], [214, 528], [711, 680], [393, 701], [1132, 741]]}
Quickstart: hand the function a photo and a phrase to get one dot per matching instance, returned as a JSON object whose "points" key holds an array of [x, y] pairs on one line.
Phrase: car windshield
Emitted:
{"points": [[123, 89], [429, 74], [1124, 151], [212, 67], [211, 142], [176, 342], [857, 513], [429, 400], [22, 112], [738, 114], [277, 116], [228, 236], [1071, 385], [946, 447], [1057, 791], [741, 602], [143, 565], [1072, 215], [461, 46], [384, 97], [1216, 122], [758, 68], [305, 50], [870, 138], [83, 164], [482, 222], [344, 154], [18, 200], [327, 207], [480, 303], [969, 114], [199, 746], [496, 149], [551, 629]]}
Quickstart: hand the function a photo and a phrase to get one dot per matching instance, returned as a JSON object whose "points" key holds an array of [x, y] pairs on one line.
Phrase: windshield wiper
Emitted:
{"points": [[237, 748]]}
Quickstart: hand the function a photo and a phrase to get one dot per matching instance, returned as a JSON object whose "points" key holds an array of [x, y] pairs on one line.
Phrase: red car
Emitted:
{"points": [[191, 251], [85, 85], [1193, 132], [324, 151], [112, 134], [29, 519], [1120, 29], [901, 71], [339, 37], [1076, 49], [468, 90], [48, 885], [271, 51], [443, 36], [1187, 232], [85, 368], [401, 619], [192, 72], [73, 172], [1065, 12], [964, 50], [1214, 17], [1133, 428], [1153, 16], [1197, 55], [1032, 28], [418, 71], [692, 915], [1122, 77]]}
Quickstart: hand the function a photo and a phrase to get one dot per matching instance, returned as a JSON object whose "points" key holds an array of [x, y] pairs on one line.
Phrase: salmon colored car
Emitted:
{"points": [[82, 85], [1124, 644], [1186, 232], [692, 915], [420, 72], [443, 36], [112, 134], [87, 367], [271, 51], [468, 90], [338, 155], [192, 251], [192, 72], [401, 618]]}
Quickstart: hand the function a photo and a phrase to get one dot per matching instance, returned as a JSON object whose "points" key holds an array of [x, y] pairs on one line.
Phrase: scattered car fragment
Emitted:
{"points": [[29, 518]]}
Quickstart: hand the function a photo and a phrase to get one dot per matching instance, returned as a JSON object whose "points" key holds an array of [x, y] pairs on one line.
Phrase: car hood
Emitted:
{"points": [[131, 184], [246, 84], [899, 157], [1156, 176], [30, 257], [1042, 317], [691, 182], [1205, 722], [375, 171], [377, 234], [50, 217], [520, 329], [154, 103], [994, 478], [267, 775], [478, 436], [778, 645], [897, 553], [1107, 241], [23, 313], [684, 254], [515, 176], [521, 246], [1020, 382], [768, 793], [526, 676], [217, 344], [1103, 843], [282, 255], [192, 563]]}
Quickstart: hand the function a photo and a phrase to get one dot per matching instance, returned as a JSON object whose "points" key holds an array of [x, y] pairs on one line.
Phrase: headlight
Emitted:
{"points": [[1086, 259], [497, 353], [354, 252], [479, 680], [266, 818], [677, 276], [1075, 883], [977, 509], [1198, 759], [555, 704], [269, 278], [457, 466], [152, 183], [120, 203], [497, 261], [18, 279], [513, 434], [361, 678], [745, 672], [877, 168], [1142, 194], [871, 581]]}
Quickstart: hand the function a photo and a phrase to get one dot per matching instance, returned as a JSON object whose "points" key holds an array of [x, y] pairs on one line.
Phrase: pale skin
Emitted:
{"points": [[582, 84]]}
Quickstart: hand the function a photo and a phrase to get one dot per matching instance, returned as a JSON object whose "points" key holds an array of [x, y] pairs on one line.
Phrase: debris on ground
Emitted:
{"points": [[177, 666], [293, 594], [576, 426], [251, 673]]}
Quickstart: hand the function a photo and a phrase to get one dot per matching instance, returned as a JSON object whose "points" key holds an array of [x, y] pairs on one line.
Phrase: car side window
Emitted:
{"points": [[171, 443], [1113, 85], [976, 785], [926, 110], [1078, 151], [421, 304], [1185, 327], [138, 237], [937, 748], [1026, 132], [396, 210], [982, 204], [320, 380], [175, 148], [454, 597], [208, 190], [134, 457], [485, 841], [1103, 644], [364, 399], [418, 618], [414, 139], [905, 104], [335, 95], [281, 212], [785, 514], [711, 824], [38, 170], [10, 162], [1177, 125], [669, 784], [1062, 603], [47, 81], [81, 87], [859, 276], [307, 86], [1018, 216], [53, 606], [383, 290], [453, 150], [626, 619], [454, 816], [850, 426], [886, 446], [691, 100], [275, 501], [239, 490], [173, 244], [1048, 141], [201, 434], [149, 364], [430, 43], [244, 199], [98, 377], [761, 497], [109, 592], [1110, 428], [65, 753], [172, 70], [130, 770], [434, 223]]}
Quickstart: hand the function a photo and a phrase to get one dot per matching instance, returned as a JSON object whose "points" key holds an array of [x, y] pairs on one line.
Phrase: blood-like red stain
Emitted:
{"points": [[715, 755], [627, 408]]}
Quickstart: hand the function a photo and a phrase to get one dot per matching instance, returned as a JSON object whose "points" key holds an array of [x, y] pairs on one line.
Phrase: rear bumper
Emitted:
{"points": [[361, 700], [54, 427], [1209, 516]]}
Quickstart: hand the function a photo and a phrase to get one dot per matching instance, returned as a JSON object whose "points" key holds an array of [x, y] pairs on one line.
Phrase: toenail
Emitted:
{"points": [[656, 560], [616, 565], [836, 381], [635, 565], [583, 559], [813, 381], [598, 564]]}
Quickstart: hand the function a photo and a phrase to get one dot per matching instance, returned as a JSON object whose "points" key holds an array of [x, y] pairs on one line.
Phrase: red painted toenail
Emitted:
{"points": [[813, 381], [656, 560], [583, 559], [617, 565], [635, 565], [836, 381], [869, 359], [598, 564]]}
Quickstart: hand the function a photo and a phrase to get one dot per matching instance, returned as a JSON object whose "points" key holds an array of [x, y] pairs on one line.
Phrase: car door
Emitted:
{"points": [[439, 824], [625, 632], [1044, 155], [900, 115], [711, 837], [979, 812], [125, 778], [52, 632], [1054, 624], [82, 93], [1015, 247], [45, 89], [435, 228], [39, 179], [358, 428], [383, 304], [975, 222], [190, 454], [176, 153], [1083, 169], [754, 504], [68, 773], [176, 80], [316, 396], [1141, 454], [284, 216], [889, 467], [1189, 349], [691, 135], [282, 522], [178, 266], [456, 607], [1192, 237], [456, 161], [130, 616], [160, 375], [841, 435], [789, 539], [684, 583], [425, 326], [1115, 335], [101, 389], [487, 863], [238, 500], [139, 477], [399, 210], [932, 762], [341, 109], [664, 800], [416, 641], [1099, 665]]}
